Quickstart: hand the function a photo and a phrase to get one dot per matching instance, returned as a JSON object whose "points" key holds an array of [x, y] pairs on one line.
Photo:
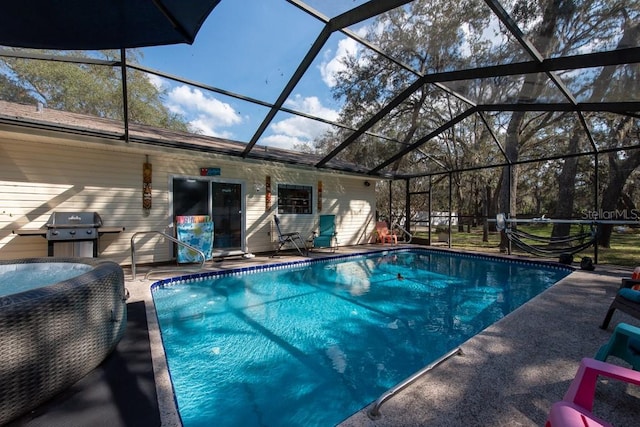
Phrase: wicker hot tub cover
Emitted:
{"points": [[52, 336]]}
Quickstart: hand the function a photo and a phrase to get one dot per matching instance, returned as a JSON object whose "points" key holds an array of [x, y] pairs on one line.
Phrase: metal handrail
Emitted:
{"points": [[406, 233], [166, 236], [374, 412]]}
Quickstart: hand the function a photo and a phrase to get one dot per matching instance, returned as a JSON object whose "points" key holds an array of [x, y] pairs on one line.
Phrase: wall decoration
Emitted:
{"points": [[209, 171], [319, 196], [267, 195], [146, 184]]}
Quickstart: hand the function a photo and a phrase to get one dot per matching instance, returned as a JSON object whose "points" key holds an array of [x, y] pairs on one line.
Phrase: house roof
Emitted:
{"points": [[36, 117]]}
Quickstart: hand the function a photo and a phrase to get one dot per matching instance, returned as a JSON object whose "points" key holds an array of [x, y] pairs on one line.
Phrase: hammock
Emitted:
{"points": [[569, 244]]}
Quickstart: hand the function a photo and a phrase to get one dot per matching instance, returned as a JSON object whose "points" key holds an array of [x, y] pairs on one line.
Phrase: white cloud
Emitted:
{"points": [[204, 112], [156, 81], [300, 130], [281, 141], [334, 63], [311, 105], [204, 126], [294, 127]]}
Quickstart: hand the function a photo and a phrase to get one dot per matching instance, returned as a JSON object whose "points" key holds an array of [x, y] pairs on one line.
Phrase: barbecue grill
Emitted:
{"points": [[72, 233], [81, 227]]}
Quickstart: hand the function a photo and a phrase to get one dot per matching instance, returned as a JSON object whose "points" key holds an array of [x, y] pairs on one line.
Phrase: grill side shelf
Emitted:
{"points": [[30, 232], [103, 230], [43, 231]]}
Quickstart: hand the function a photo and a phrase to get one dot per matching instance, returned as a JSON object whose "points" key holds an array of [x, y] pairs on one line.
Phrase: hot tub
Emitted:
{"points": [[53, 334]]}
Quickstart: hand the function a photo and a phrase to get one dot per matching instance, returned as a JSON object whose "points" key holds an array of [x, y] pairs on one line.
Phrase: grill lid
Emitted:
{"points": [[74, 220]]}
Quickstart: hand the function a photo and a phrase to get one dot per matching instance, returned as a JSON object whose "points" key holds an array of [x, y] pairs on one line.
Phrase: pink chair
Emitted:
{"points": [[384, 235], [575, 408], [567, 414]]}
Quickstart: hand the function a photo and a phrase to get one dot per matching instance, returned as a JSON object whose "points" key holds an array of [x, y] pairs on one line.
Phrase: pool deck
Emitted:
{"points": [[508, 375]]}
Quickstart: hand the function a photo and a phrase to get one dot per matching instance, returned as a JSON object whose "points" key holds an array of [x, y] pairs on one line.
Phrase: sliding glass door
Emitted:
{"points": [[221, 200], [227, 215]]}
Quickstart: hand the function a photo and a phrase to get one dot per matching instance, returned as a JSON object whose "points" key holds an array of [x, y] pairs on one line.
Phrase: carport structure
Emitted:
{"points": [[508, 101]]}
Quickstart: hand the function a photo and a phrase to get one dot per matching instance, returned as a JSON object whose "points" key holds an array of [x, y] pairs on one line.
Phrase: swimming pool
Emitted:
{"points": [[310, 343]]}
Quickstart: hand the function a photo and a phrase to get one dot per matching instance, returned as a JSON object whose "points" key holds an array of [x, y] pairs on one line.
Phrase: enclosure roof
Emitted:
{"points": [[388, 88]]}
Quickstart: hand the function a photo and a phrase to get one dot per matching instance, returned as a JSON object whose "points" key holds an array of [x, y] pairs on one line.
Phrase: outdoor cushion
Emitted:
{"points": [[630, 294]]}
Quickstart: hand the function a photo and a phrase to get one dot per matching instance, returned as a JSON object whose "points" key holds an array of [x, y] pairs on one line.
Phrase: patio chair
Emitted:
{"points": [[326, 237], [293, 237], [575, 408], [623, 344], [627, 300], [384, 235]]}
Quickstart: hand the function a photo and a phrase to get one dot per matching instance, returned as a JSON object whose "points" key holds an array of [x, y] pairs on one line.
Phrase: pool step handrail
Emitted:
{"points": [[164, 271], [408, 236], [166, 236], [374, 412]]}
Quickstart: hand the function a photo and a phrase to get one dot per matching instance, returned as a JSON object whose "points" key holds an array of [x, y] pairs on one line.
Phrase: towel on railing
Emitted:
{"points": [[198, 235]]}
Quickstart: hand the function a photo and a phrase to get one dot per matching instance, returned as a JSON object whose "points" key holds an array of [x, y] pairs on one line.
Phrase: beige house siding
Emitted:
{"points": [[42, 174]]}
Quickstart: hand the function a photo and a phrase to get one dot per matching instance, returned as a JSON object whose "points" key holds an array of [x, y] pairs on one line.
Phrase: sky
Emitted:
{"points": [[252, 48]]}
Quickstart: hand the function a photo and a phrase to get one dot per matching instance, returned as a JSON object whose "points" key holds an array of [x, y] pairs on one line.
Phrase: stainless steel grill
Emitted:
{"points": [[74, 234], [72, 227]]}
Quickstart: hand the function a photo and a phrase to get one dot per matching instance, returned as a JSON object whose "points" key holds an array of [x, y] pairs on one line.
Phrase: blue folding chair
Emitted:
{"points": [[326, 236]]}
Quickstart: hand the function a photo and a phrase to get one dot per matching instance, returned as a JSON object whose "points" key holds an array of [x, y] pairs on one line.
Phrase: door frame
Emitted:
{"points": [[243, 209]]}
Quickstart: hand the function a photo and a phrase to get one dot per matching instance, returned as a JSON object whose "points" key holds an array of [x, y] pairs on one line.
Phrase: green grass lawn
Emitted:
{"points": [[624, 250]]}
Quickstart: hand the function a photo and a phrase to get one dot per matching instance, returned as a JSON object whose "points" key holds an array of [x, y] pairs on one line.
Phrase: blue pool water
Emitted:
{"points": [[312, 343]]}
